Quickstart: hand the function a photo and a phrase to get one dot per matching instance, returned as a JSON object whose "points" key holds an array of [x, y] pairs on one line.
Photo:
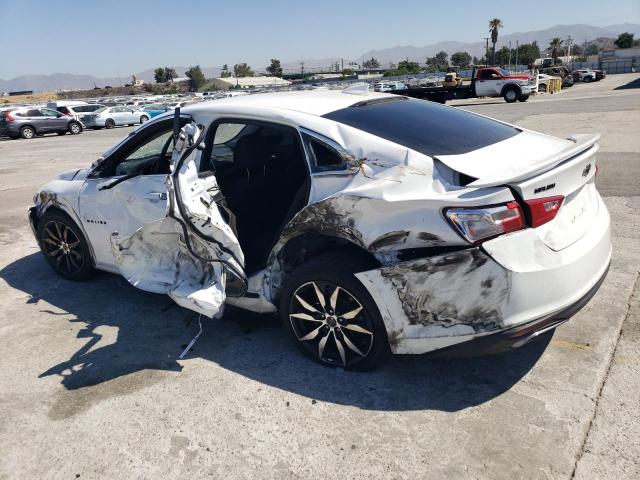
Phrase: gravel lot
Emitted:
{"points": [[91, 386]]}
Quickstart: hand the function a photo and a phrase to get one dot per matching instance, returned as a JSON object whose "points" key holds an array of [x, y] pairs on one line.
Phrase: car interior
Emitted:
{"points": [[260, 168], [262, 173]]}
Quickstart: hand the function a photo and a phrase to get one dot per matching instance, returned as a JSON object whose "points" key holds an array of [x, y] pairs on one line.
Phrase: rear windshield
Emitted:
{"points": [[427, 127]]}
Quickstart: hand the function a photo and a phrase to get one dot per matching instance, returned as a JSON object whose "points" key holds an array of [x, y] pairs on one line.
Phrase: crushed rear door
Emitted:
{"points": [[192, 254]]}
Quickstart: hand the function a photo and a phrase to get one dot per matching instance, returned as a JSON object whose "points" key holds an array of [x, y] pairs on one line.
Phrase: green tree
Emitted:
{"points": [[461, 59], [170, 73], [625, 40], [408, 67], [527, 53], [196, 77], [347, 72], [501, 57], [592, 49], [242, 70], [494, 25], [371, 63], [555, 45], [275, 69], [159, 75]]}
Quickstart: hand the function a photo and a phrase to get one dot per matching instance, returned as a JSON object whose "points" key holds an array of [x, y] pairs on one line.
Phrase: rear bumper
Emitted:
{"points": [[513, 286], [522, 334]]}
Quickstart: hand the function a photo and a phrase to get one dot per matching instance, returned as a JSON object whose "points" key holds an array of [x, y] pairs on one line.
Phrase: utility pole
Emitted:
{"points": [[302, 69], [569, 59], [486, 50], [509, 55], [517, 41]]}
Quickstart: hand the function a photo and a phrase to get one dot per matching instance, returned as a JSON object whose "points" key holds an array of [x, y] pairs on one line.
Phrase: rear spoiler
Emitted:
{"points": [[582, 143]]}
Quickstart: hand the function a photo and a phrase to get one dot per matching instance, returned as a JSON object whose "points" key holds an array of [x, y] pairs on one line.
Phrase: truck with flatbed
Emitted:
{"points": [[485, 82]]}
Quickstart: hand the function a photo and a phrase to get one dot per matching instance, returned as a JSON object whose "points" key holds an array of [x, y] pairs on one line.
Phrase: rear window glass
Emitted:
{"points": [[427, 127]]}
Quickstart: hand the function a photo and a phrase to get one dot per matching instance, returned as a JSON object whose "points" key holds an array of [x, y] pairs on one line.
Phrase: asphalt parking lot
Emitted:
{"points": [[91, 384]]}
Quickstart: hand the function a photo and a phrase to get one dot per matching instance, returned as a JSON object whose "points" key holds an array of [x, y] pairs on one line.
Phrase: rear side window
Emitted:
{"points": [[427, 127], [34, 113], [64, 110]]}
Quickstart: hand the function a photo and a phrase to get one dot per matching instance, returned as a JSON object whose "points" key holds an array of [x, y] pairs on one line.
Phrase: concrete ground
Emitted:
{"points": [[91, 386]]}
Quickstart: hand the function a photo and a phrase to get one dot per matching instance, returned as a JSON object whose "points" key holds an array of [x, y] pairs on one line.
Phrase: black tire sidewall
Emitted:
{"points": [[506, 93], [87, 269], [338, 269], [79, 128], [109, 123], [24, 129], [146, 119]]}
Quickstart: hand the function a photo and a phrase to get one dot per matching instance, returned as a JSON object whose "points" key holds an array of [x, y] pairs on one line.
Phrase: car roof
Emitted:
{"points": [[312, 102]]}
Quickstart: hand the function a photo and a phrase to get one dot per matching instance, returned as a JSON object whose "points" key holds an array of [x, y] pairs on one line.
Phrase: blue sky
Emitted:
{"points": [[107, 38]]}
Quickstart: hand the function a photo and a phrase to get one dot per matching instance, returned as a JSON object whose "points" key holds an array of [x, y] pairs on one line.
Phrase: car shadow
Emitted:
{"points": [[152, 331], [632, 84]]}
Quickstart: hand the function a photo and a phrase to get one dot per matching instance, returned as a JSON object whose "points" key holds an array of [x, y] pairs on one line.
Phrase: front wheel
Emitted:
{"points": [[143, 119], [64, 246], [587, 79], [75, 128], [109, 123], [523, 98], [511, 95], [331, 317], [27, 133]]}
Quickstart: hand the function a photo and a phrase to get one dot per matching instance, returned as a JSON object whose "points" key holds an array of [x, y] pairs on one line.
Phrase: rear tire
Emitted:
{"points": [[109, 123], [27, 132], [64, 246], [74, 128], [320, 333]]}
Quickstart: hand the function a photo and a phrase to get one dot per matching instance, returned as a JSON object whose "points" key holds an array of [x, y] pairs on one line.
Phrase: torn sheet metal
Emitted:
{"points": [[184, 254], [456, 294]]}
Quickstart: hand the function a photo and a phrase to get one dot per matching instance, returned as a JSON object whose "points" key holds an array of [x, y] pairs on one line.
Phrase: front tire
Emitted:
{"points": [[27, 132], [64, 246], [143, 118], [331, 317], [74, 128], [587, 79], [510, 95], [523, 98], [109, 123]]}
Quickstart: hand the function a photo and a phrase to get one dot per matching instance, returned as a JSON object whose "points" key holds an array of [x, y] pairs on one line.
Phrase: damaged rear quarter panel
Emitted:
{"points": [[455, 294]]}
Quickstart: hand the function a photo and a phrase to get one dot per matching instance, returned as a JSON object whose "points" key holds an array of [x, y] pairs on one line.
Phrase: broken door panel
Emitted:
{"points": [[187, 253], [422, 299]]}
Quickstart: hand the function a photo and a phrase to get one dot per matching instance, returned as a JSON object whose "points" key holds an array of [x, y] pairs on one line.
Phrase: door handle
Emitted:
{"points": [[156, 196]]}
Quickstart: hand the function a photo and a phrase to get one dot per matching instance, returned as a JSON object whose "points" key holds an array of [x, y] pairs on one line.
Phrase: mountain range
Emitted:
{"points": [[579, 32]]}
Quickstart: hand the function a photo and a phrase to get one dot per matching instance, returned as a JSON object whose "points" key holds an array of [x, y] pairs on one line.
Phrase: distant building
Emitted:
{"points": [[246, 82]]}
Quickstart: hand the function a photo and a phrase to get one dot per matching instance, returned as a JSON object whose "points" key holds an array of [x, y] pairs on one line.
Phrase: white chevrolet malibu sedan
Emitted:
{"points": [[372, 223]]}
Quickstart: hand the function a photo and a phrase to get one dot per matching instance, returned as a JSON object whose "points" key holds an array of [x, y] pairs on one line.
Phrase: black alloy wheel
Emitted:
{"points": [[331, 323]]}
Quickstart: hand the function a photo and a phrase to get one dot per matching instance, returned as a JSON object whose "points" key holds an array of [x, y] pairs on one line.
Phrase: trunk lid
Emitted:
{"points": [[537, 166]]}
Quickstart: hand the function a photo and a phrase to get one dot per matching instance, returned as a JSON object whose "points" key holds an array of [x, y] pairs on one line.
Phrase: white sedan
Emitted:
{"points": [[373, 223], [109, 117]]}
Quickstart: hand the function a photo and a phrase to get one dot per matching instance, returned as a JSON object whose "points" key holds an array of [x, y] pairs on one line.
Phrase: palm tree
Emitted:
{"points": [[555, 44], [494, 25]]}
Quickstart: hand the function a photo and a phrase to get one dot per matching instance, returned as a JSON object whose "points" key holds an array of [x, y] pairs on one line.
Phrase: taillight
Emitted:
{"points": [[477, 224], [543, 210]]}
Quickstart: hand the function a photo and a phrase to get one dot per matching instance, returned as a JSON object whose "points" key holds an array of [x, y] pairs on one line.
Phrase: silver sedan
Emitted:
{"points": [[109, 117]]}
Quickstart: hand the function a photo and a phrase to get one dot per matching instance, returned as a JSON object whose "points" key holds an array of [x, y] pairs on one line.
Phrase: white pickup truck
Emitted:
{"points": [[485, 82]]}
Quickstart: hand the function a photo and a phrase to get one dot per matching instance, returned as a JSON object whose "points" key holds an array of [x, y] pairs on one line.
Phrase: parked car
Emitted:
{"points": [[389, 86], [29, 122], [79, 111], [373, 223], [109, 117], [584, 75], [156, 109]]}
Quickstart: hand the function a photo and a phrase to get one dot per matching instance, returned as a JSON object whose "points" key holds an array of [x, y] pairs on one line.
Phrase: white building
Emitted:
{"points": [[248, 82]]}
